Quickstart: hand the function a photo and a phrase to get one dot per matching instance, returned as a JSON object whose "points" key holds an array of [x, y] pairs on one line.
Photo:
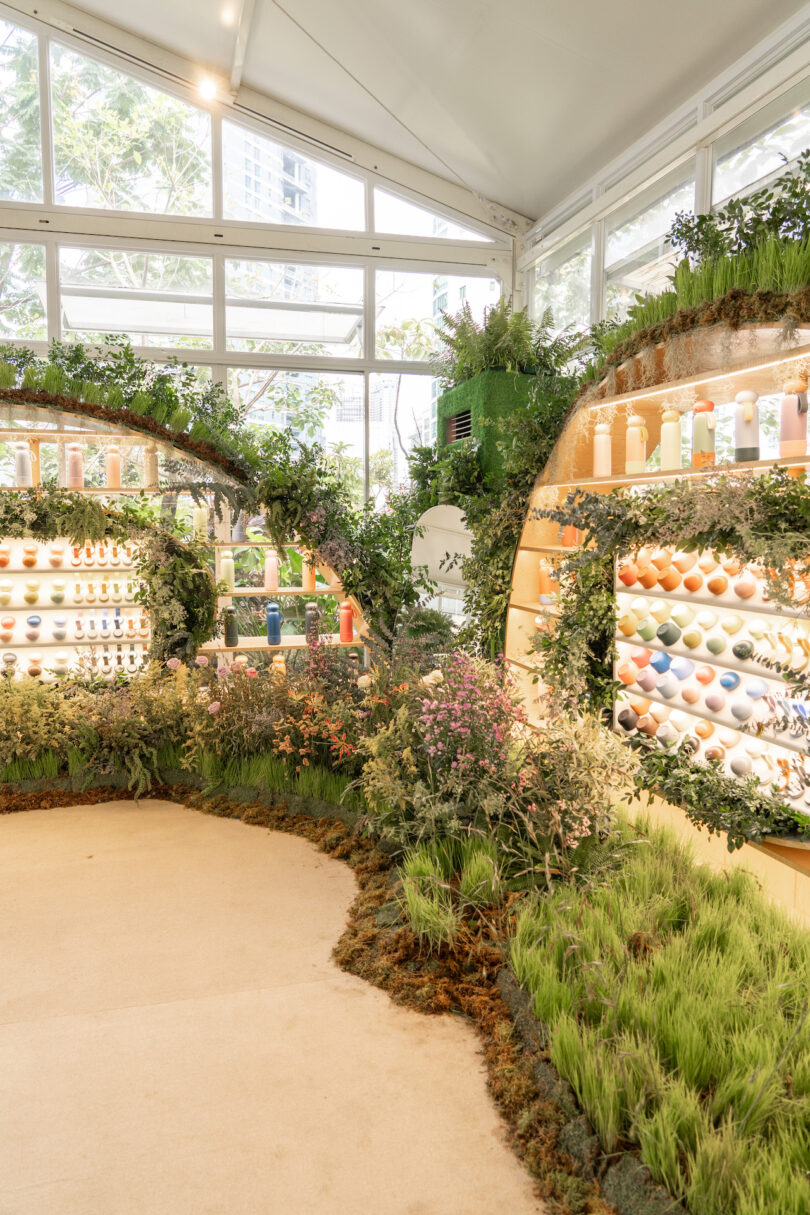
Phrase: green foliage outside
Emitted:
{"points": [[676, 1006]]}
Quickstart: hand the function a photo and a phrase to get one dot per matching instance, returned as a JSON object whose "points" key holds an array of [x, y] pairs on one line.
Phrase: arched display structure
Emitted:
{"points": [[715, 364], [65, 607]]}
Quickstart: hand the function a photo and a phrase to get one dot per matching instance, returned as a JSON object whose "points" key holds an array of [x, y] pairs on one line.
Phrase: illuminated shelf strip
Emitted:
{"points": [[697, 381], [536, 608], [72, 608], [678, 475], [8, 647], [242, 592], [549, 548], [690, 711], [715, 602], [293, 642]]}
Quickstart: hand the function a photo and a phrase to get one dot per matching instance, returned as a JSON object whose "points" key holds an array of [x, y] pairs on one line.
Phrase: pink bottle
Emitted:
{"points": [[793, 421], [602, 450], [271, 570]]}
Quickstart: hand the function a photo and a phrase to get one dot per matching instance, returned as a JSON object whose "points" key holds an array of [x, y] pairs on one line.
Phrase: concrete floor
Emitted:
{"points": [[174, 1037]]}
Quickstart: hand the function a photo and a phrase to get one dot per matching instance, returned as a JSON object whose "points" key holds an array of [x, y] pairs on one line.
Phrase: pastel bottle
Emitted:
{"points": [[271, 570], [75, 466], [231, 627], [58, 591], [307, 573], [6, 591], [112, 467], [30, 554], [199, 523], [23, 466], [273, 624], [670, 440], [150, 466], [312, 618], [346, 618], [602, 450], [279, 666], [546, 583], [746, 426], [226, 568], [31, 594], [635, 460], [704, 424], [59, 628], [793, 419], [56, 556]]}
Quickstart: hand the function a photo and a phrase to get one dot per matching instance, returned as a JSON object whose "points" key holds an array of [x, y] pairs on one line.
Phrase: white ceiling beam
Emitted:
{"points": [[243, 27]]}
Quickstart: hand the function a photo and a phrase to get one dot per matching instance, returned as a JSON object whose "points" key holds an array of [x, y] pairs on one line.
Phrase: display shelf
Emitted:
{"points": [[244, 592], [755, 373], [9, 647], [291, 642], [645, 478], [717, 602], [536, 608]]}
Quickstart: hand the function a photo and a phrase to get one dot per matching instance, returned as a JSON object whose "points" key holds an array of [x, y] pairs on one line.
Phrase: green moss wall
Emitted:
{"points": [[490, 396]]}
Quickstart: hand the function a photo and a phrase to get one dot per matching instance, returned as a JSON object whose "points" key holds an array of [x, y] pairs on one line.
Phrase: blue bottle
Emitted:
{"points": [[273, 624]]}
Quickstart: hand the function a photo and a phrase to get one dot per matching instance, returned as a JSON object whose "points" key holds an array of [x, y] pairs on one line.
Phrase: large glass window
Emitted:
{"points": [[154, 299], [563, 284], [20, 146], [266, 182], [316, 406], [759, 147], [402, 218], [402, 415], [283, 308], [124, 146], [638, 258], [410, 307], [22, 292]]}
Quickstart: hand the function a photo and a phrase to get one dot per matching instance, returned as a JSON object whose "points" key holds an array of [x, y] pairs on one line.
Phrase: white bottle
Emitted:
{"points": [[227, 573], [602, 450], [23, 467], [746, 427], [670, 440]]}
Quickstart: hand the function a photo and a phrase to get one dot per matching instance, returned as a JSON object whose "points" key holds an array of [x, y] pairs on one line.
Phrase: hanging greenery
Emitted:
{"points": [[177, 589]]}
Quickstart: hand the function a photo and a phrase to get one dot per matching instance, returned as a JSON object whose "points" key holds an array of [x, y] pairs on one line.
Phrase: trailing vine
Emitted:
{"points": [[177, 589]]}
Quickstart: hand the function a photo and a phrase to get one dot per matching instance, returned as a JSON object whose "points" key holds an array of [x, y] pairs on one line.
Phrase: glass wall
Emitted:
{"points": [[638, 258], [334, 345], [633, 255], [563, 284]]}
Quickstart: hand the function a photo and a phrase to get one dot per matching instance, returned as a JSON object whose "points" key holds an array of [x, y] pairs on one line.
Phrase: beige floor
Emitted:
{"points": [[174, 1037]]}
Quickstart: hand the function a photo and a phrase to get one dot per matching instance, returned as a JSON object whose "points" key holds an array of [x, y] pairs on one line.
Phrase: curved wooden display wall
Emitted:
{"points": [[97, 590], [715, 364]]}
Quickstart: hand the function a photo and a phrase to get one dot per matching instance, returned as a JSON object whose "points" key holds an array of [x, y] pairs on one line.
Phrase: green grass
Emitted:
{"points": [[270, 772], [446, 880], [677, 1003], [44, 766], [773, 265]]}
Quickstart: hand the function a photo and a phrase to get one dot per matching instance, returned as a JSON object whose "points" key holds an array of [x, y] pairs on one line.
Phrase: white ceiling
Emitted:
{"points": [[523, 99]]}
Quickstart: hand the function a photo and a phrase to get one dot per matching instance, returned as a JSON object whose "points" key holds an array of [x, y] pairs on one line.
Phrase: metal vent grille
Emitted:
{"points": [[459, 427]]}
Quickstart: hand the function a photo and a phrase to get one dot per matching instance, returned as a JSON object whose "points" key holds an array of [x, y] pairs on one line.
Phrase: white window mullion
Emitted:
{"points": [[218, 281], [217, 183], [369, 313], [598, 273], [703, 180], [53, 303], [366, 435], [46, 121]]}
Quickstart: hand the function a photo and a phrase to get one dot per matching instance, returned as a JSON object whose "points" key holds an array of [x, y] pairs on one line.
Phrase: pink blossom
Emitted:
{"points": [[173, 664], [214, 706], [201, 660], [223, 672], [251, 672]]}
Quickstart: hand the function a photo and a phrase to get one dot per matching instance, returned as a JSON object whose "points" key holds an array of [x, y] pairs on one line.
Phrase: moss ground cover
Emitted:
{"points": [[676, 1003]]}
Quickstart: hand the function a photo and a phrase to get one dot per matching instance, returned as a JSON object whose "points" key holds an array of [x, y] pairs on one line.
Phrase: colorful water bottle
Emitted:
{"points": [[75, 466], [278, 666], [602, 450], [793, 419], [670, 440], [346, 621], [547, 585], [23, 466], [226, 569], [231, 627], [112, 467], [273, 624], [312, 617], [703, 434], [746, 426], [307, 573], [199, 523], [635, 446], [271, 570]]}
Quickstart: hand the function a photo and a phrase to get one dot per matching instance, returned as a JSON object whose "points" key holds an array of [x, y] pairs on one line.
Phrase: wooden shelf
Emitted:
{"points": [[536, 608], [701, 383], [243, 592], [243, 544], [618, 481], [291, 642], [8, 647], [568, 549], [778, 613], [690, 711]]}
